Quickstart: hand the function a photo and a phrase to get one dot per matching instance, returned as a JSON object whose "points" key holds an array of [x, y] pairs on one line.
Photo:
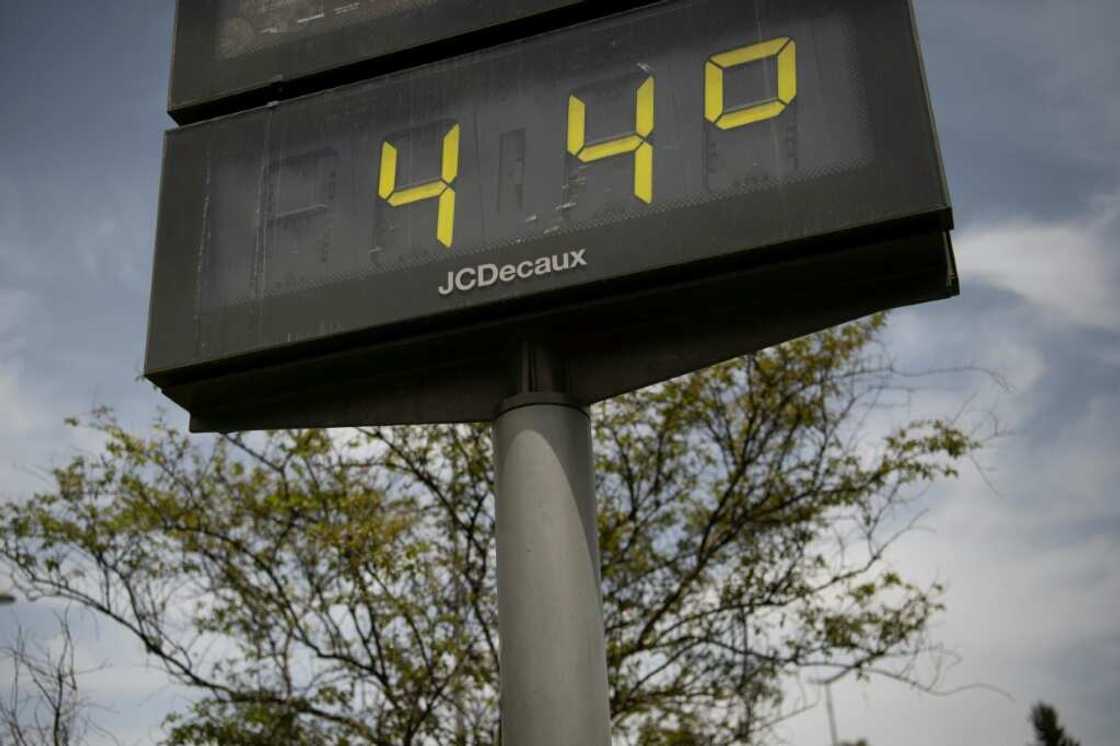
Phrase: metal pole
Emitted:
{"points": [[831, 713], [550, 616]]}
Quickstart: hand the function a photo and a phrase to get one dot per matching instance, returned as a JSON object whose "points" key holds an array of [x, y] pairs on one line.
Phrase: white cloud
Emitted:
{"points": [[34, 438], [1070, 268], [1029, 591], [17, 306], [1033, 595], [20, 415]]}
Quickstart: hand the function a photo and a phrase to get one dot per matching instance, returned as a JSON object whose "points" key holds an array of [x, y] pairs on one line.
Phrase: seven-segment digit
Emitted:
{"points": [[635, 143], [439, 188], [716, 112]]}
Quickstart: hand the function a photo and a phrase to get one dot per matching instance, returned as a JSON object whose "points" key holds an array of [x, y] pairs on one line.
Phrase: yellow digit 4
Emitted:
{"points": [[436, 189], [715, 110], [635, 143]]}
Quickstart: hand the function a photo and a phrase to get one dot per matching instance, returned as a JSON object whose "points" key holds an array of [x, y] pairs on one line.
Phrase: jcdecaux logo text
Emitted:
{"points": [[485, 275]]}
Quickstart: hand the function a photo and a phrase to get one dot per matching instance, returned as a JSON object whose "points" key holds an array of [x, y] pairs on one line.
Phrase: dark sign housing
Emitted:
{"points": [[235, 54], [650, 193]]}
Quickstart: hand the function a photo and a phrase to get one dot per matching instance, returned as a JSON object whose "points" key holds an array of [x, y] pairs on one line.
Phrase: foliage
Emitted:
{"points": [[338, 587], [685, 734], [1047, 730]]}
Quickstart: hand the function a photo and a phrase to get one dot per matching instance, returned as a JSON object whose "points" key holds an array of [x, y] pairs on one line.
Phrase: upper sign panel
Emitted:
{"points": [[640, 148], [226, 49]]}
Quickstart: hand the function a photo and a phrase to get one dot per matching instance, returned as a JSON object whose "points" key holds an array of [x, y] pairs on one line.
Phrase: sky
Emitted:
{"points": [[1026, 95]]}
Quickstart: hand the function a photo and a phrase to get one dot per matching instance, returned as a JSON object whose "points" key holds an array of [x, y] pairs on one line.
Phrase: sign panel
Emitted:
{"points": [[231, 48], [594, 348], [662, 144]]}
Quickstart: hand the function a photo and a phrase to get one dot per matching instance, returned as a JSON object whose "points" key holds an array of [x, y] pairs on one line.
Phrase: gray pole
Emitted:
{"points": [[550, 615], [831, 713]]}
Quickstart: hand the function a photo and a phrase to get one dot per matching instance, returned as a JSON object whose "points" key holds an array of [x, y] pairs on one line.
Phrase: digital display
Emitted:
{"points": [[250, 26], [263, 50], [663, 137]]}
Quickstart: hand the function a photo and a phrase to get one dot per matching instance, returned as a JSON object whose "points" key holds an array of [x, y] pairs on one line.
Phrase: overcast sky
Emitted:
{"points": [[1027, 99]]}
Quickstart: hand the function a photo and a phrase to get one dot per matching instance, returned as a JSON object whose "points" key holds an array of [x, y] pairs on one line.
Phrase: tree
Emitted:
{"points": [[338, 587], [43, 705], [1047, 730]]}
